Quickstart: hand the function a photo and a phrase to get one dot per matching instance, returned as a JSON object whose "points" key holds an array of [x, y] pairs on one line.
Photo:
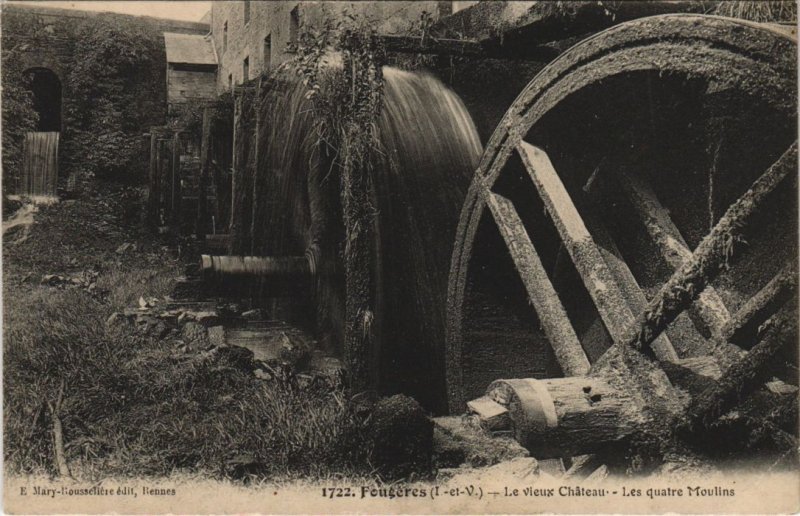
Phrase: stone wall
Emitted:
{"points": [[281, 22], [46, 37]]}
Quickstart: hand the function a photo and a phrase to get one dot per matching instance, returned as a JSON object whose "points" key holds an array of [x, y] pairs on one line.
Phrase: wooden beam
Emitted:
{"points": [[637, 301], [175, 187], [743, 327], [555, 322], [242, 180], [598, 278], [205, 165], [255, 200], [466, 48], [152, 191], [746, 375], [710, 257], [709, 312]]}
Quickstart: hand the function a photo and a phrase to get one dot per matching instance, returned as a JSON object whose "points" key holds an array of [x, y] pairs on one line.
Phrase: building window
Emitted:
{"points": [[267, 59], [294, 25], [246, 11], [246, 69], [230, 81], [225, 37]]}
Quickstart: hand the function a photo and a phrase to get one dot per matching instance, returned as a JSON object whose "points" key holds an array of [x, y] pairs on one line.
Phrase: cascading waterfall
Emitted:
{"points": [[40, 164], [430, 149]]}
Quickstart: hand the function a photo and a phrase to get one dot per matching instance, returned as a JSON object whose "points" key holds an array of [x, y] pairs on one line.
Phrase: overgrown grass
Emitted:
{"points": [[759, 11], [139, 403]]}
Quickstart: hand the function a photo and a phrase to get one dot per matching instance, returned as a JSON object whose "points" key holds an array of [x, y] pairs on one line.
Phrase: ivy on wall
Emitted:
{"points": [[105, 113], [113, 75], [19, 115]]}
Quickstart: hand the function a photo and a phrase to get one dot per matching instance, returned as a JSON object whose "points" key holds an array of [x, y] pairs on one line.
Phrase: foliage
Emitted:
{"points": [[19, 115], [764, 11], [113, 72]]}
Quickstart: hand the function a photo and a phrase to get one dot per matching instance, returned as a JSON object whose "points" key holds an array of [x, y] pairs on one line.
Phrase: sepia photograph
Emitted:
{"points": [[400, 257]]}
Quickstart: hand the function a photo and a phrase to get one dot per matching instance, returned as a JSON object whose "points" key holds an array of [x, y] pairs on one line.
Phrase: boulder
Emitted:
{"points": [[402, 437]]}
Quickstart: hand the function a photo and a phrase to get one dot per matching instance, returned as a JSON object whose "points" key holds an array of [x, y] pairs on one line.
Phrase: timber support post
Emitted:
{"points": [[242, 180], [205, 165]]}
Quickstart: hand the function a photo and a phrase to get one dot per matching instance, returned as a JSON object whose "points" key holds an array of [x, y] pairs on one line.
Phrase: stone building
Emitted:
{"points": [[191, 68], [250, 37], [44, 37]]}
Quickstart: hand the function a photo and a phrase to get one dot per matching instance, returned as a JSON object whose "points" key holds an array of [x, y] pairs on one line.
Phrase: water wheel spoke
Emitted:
{"points": [[552, 316], [709, 312], [634, 296], [743, 327], [598, 278], [711, 255]]}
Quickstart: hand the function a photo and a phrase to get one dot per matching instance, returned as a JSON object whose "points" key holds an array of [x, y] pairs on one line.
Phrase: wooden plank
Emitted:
{"points": [[598, 278], [555, 322], [708, 312], [493, 416]]}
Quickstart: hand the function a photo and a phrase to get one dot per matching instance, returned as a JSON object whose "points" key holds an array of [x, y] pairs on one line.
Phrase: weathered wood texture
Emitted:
{"points": [[243, 171], [175, 181], [742, 329], [710, 256], [601, 282], [708, 312], [205, 166], [746, 375], [254, 266], [152, 183], [566, 416], [552, 316]]}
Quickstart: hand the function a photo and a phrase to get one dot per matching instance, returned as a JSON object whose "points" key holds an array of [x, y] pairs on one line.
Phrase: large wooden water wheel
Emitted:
{"points": [[633, 214]]}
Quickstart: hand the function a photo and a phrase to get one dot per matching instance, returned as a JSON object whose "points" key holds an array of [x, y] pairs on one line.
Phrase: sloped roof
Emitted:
{"points": [[189, 49]]}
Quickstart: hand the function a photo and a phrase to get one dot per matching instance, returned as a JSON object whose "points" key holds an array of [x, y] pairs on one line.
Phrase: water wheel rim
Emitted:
{"points": [[724, 51]]}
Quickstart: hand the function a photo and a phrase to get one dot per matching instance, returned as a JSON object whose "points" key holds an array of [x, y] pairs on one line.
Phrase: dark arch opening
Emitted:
{"points": [[46, 88]]}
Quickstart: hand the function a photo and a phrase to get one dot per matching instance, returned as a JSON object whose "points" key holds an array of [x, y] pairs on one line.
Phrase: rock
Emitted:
{"points": [[518, 471], [216, 336], [402, 437], [125, 247], [238, 357], [294, 350], [461, 440], [194, 334], [304, 381], [206, 318], [142, 302], [262, 375], [254, 314], [114, 319]]}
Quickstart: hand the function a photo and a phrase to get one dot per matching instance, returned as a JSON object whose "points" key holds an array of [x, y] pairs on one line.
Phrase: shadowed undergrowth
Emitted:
{"points": [[139, 403]]}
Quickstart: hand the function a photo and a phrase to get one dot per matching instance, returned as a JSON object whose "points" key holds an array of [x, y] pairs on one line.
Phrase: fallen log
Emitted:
{"points": [[566, 416]]}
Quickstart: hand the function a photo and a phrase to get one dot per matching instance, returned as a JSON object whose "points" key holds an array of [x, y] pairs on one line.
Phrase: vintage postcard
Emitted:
{"points": [[427, 257]]}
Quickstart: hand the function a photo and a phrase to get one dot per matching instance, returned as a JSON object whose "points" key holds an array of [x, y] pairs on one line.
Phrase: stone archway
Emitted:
{"points": [[47, 98]]}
